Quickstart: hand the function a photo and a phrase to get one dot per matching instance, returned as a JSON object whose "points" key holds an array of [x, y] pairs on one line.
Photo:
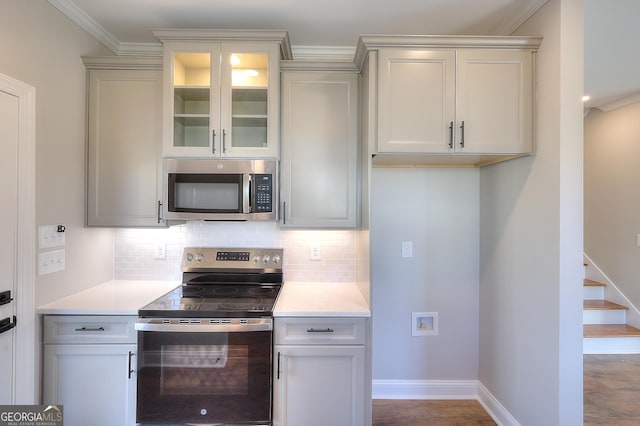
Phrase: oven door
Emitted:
{"points": [[199, 372]]}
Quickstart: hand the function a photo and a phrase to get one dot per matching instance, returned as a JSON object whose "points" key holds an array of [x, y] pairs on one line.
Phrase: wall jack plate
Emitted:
{"points": [[314, 253], [51, 261], [49, 236]]}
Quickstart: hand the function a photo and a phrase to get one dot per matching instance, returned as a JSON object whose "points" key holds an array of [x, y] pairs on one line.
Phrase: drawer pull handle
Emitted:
{"points": [[324, 330], [6, 324], [90, 329]]}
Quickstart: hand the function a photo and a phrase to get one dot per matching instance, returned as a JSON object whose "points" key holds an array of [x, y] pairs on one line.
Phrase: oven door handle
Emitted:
{"points": [[203, 327]]}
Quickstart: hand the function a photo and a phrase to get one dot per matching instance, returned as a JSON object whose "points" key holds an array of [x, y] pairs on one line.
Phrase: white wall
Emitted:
{"points": [[437, 210], [42, 48], [612, 200], [531, 243]]}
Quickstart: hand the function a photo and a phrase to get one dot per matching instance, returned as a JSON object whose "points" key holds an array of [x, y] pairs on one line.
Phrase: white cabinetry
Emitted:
{"points": [[222, 91], [319, 160], [124, 149], [89, 368], [451, 100], [319, 376]]}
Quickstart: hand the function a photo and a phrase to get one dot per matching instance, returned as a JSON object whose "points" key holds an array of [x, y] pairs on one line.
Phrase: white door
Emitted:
{"points": [[9, 119], [17, 243]]}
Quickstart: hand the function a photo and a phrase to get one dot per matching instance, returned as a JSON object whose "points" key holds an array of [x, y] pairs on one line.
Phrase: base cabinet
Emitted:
{"points": [[89, 369], [319, 380]]}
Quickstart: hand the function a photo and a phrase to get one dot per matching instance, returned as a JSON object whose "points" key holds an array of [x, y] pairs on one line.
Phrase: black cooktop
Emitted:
{"points": [[189, 301], [246, 287]]}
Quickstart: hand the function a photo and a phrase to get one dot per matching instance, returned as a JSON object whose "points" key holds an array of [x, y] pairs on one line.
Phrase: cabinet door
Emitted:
{"points": [[319, 386], [416, 94], [494, 99], [92, 382], [319, 163], [221, 100], [191, 99], [250, 94], [124, 169]]}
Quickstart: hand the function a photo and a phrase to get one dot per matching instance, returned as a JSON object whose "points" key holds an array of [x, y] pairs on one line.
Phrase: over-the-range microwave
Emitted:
{"points": [[215, 189]]}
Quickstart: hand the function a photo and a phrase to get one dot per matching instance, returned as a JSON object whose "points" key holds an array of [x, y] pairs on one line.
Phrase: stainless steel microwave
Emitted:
{"points": [[210, 189]]}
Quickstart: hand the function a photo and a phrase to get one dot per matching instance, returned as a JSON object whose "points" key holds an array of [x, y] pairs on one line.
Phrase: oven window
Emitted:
{"points": [[204, 370], [195, 377]]}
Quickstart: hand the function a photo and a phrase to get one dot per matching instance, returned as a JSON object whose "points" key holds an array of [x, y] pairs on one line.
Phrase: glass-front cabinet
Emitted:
{"points": [[221, 98]]}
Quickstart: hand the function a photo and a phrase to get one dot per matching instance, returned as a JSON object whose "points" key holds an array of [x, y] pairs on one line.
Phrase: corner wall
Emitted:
{"points": [[531, 243], [43, 48]]}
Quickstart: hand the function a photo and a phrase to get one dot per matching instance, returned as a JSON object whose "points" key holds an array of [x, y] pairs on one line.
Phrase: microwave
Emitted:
{"points": [[209, 189]]}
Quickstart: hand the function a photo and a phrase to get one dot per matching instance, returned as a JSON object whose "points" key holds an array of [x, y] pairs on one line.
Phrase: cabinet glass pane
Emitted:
{"points": [[191, 99], [249, 111]]}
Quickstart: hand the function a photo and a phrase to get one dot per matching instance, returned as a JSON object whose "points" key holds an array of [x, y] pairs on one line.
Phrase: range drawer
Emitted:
{"points": [[319, 331], [89, 329]]}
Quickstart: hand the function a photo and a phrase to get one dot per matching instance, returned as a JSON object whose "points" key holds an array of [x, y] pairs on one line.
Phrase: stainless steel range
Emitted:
{"points": [[205, 349]]}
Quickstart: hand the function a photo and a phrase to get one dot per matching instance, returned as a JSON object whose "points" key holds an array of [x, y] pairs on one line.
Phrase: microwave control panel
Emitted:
{"points": [[262, 200]]}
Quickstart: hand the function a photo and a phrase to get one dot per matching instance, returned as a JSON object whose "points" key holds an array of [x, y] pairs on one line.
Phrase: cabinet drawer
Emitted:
{"points": [[89, 329], [317, 331]]}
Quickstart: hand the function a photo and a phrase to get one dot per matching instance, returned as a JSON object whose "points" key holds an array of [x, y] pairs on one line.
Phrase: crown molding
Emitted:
{"points": [[620, 102], [508, 27], [330, 65], [77, 15], [129, 62], [320, 53]]}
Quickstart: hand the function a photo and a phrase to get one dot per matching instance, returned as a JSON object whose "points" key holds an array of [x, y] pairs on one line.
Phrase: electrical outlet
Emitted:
{"points": [[49, 236], [314, 253], [51, 261], [407, 249], [160, 251]]}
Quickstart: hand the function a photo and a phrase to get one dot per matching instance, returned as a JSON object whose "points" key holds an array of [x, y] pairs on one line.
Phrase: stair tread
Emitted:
{"points": [[603, 304], [592, 283], [610, 330]]}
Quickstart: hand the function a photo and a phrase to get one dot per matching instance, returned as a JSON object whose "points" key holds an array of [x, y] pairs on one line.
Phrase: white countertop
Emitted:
{"points": [[118, 297], [125, 297], [321, 300]]}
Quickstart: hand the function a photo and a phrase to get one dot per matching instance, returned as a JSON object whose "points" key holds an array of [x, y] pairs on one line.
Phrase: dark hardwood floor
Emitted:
{"points": [[611, 397]]}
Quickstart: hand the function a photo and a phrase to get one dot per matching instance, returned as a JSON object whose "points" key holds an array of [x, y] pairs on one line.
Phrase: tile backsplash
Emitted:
{"points": [[135, 249]]}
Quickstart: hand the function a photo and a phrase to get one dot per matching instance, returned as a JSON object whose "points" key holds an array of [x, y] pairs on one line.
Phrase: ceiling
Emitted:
{"points": [[330, 28]]}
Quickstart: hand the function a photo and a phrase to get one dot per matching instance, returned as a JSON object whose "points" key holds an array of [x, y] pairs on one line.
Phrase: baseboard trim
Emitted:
{"points": [[494, 408], [425, 389]]}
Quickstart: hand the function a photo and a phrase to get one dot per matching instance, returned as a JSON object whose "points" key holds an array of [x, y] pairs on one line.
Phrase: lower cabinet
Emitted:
{"points": [[89, 369], [319, 372]]}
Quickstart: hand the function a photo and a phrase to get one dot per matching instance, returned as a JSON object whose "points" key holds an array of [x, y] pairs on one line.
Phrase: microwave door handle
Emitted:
{"points": [[246, 193]]}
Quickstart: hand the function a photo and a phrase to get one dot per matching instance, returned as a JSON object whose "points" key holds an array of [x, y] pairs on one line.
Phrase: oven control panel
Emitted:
{"points": [[199, 258]]}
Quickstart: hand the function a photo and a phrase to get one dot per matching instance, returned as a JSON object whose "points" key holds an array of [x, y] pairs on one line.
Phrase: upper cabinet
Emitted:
{"points": [[123, 150], [319, 164], [222, 92], [450, 100]]}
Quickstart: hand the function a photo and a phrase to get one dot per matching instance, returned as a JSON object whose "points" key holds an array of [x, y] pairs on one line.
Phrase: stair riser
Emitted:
{"points": [[604, 316], [593, 293], [611, 345]]}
